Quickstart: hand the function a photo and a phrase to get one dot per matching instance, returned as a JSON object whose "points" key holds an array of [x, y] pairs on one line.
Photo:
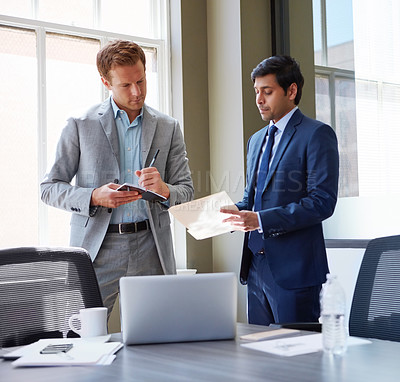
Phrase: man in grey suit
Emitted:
{"points": [[112, 143]]}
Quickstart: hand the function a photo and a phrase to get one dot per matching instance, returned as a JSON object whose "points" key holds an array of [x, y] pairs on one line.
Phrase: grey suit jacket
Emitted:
{"points": [[89, 150]]}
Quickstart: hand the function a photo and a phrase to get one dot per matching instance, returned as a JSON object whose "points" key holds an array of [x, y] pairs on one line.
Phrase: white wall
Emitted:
{"points": [[226, 127]]}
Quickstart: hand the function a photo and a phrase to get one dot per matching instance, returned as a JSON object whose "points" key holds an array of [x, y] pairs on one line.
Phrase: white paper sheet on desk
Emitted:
{"points": [[202, 218], [20, 351], [297, 345], [83, 353]]}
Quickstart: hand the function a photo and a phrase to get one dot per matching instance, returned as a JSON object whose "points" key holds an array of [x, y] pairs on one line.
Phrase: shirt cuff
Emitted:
{"points": [[260, 230]]}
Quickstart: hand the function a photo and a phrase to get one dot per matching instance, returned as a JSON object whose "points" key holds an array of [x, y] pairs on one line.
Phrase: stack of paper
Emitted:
{"points": [[83, 352]]}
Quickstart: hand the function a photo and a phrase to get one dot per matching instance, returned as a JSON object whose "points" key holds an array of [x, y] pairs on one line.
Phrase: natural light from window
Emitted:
{"points": [[49, 73], [358, 93]]}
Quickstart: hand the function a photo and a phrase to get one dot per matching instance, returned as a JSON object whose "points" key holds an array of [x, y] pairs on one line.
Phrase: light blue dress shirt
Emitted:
{"points": [[129, 136]]}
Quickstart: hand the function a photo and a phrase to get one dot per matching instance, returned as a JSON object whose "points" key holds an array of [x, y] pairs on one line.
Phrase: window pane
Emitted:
{"points": [[322, 99], [73, 83], [17, 8], [390, 156], [152, 98], [346, 131], [71, 12], [18, 154], [339, 15], [379, 153], [368, 152], [133, 17], [377, 36]]}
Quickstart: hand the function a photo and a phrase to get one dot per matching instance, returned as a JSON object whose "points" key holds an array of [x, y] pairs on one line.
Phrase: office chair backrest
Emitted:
{"points": [[375, 310], [40, 288]]}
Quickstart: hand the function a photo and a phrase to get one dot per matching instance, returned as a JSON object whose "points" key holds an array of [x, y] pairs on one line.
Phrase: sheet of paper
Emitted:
{"points": [[82, 353], [202, 218], [106, 360], [268, 334], [297, 345]]}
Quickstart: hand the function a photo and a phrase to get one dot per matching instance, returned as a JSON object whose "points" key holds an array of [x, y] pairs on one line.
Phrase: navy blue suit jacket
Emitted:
{"points": [[299, 193]]}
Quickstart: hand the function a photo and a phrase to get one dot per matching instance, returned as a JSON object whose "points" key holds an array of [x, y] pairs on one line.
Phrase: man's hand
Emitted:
{"points": [[150, 178], [108, 196], [241, 220]]}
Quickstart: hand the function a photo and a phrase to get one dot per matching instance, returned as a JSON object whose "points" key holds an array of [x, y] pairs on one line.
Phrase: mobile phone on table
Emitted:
{"points": [[54, 349]]}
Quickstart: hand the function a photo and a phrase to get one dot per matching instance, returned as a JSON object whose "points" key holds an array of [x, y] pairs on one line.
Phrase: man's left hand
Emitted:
{"points": [[241, 220]]}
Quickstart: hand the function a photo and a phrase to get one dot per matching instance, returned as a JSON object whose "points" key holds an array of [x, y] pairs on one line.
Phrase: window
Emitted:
{"points": [[47, 61], [358, 93], [19, 149], [335, 85]]}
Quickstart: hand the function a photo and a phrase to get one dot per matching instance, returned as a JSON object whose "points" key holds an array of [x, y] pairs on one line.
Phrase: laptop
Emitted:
{"points": [[178, 308]]}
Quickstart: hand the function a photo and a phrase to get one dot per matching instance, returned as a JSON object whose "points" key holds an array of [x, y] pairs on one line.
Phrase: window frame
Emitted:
{"points": [[333, 74], [162, 46]]}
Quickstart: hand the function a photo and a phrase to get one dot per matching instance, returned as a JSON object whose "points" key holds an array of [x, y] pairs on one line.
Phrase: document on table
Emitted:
{"points": [[202, 218], [268, 334], [83, 352], [297, 345]]}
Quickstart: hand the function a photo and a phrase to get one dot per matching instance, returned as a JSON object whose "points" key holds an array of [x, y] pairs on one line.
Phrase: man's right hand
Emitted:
{"points": [[108, 196]]}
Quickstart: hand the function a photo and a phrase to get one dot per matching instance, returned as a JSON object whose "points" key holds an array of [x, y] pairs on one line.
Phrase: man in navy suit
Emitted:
{"points": [[289, 192]]}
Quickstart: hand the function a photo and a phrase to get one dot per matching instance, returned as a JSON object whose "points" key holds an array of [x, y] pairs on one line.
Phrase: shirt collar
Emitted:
{"points": [[281, 124], [117, 110]]}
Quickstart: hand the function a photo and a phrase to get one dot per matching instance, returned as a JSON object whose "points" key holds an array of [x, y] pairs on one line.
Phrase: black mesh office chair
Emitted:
{"points": [[40, 288], [375, 309]]}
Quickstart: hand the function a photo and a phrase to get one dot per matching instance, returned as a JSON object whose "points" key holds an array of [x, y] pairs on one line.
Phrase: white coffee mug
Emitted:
{"points": [[93, 322]]}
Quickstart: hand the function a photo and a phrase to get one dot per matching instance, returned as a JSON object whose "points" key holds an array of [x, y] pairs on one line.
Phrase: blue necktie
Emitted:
{"points": [[255, 240]]}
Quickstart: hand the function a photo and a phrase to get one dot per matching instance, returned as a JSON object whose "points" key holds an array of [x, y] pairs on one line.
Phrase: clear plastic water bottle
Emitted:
{"points": [[333, 314]]}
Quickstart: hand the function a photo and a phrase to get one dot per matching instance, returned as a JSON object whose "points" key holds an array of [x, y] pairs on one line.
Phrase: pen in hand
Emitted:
{"points": [[154, 158]]}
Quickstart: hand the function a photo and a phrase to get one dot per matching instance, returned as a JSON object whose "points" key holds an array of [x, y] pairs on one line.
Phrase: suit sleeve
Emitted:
{"points": [[177, 172], [56, 188], [316, 198]]}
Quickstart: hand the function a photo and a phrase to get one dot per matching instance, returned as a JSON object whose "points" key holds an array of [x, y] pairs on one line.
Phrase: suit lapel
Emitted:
{"points": [[107, 122], [288, 133], [148, 130], [253, 164], [256, 155]]}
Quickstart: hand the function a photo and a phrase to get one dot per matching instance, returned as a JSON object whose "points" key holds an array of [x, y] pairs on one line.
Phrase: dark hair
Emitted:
{"points": [[118, 52], [286, 69]]}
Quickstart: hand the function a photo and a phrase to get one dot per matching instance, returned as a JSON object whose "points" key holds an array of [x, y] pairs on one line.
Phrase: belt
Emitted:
{"points": [[129, 227]]}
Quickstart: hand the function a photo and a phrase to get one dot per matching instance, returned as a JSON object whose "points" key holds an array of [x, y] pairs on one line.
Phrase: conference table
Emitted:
{"points": [[226, 361]]}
